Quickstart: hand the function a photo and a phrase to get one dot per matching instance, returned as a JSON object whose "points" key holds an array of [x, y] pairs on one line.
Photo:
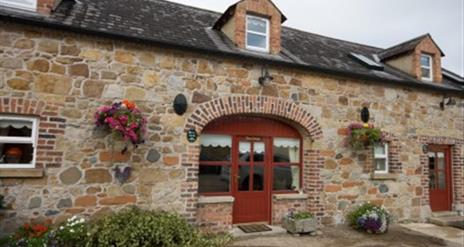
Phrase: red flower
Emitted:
{"points": [[130, 105]]}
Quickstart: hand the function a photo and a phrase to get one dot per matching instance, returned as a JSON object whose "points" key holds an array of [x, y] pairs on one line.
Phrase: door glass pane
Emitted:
{"points": [[243, 181], [214, 179], [258, 151], [286, 150], [432, 178], [258, 178], [244, 149], [441, 160], [215, 147], [17, 128], [286, 178], [441, 180], [13, 153]]}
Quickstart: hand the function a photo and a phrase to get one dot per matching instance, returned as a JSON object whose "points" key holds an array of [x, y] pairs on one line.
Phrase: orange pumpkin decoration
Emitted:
{"points": [[15, 152]]}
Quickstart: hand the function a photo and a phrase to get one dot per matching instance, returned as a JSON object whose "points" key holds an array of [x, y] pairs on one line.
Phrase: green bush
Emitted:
{"points": [[355, 217], [136, 227], [302, 216]]}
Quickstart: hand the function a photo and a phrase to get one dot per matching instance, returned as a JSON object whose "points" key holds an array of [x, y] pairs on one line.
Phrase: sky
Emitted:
{"points": [[379, 23]]}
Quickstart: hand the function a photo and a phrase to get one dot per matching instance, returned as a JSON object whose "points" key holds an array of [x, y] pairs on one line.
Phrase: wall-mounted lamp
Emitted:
{"points": [[365, 115], [265, 77], [180, 104], [447, 101]]}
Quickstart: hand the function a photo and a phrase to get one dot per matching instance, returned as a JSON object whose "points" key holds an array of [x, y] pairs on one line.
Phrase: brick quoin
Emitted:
{"points": [[50, 127], [260, 106]]}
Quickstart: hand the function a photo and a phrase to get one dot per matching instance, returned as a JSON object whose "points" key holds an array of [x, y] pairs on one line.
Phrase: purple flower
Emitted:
{"points": [[373, 224]]}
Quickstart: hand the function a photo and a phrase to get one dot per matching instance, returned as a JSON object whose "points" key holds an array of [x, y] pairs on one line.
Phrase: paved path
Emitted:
{"points": [[343, 236]]}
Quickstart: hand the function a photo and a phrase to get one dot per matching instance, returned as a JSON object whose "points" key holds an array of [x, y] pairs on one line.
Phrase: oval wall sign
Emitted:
{"points": [[180, 104]]}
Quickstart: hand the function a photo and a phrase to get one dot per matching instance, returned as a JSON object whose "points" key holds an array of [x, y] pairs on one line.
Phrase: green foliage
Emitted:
{"points": [[363, 137], [28, 236], [135, 227], [302, 216], [73, 232]]}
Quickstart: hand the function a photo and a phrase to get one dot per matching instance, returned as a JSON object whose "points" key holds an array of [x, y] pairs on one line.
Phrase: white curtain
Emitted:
{"points": [[296, 177], [244, 147], [258, 148], [17, 124], [293, 146], [216, 140]]}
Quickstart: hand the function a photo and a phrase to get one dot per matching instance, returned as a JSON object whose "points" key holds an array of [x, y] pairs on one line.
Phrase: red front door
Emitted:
{"points": [[251, 187], [439, 162]]}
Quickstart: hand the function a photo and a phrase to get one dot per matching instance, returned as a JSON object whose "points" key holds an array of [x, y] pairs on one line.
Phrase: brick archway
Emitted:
{"points": [[269, 107], [262, 105]]}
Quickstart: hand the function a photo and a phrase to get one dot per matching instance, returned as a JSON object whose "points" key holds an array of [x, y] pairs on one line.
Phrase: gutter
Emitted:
{"points": [[204, 51]]}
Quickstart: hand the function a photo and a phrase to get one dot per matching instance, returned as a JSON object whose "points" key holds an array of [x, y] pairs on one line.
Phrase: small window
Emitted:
{"points": [[257, 34], [426, 67], [381, 158], [215, 164], [20, 4], [18, 141]]}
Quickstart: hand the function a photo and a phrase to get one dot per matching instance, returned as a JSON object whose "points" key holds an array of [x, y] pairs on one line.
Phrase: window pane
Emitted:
{"points": [[379, 149], [244, 150], [286, 150], [286, 178], [244, 178], [257, 25], [381, 165], [215, 148], [11, 153], [441, 180], [425, 61], [214, 179], [425, 73], [17, 128], [258, 151], [256, 40], [258, 178]]}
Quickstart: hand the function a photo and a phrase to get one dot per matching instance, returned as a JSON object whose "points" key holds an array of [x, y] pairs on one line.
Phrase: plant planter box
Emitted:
{"points": [[299, 226]]}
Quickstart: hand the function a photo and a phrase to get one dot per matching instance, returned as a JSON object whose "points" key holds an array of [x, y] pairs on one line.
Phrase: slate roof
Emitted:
{"points": [[405, 47], [169, 24]]}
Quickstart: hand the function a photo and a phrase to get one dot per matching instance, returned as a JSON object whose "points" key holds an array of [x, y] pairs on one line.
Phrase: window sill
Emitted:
{"points": [[22, 173], [389, 176], [282, 197], [215, 199]]}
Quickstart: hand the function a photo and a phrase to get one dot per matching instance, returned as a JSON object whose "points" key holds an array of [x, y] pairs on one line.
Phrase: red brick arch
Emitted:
{"points": [[262, 105]]}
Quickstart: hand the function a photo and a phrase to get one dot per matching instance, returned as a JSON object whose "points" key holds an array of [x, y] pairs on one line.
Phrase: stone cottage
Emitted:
{"points": [[266, 118]]}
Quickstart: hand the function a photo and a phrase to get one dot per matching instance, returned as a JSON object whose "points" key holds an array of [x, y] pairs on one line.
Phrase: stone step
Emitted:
{"points": [[444, 214], [454, 221]]}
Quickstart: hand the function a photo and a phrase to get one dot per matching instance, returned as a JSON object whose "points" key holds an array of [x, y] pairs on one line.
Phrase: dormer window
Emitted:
{"points": [[257, 33], [426, 67], [30, 5]]}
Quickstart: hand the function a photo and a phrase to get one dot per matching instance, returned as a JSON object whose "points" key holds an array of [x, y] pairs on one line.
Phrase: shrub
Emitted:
{"points": [[136, 227], [28, 235], [302, 216], [73, 232], [369, 217]]}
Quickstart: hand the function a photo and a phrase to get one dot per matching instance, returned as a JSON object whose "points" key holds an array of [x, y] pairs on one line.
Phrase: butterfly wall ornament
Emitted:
{"points": [[122, 173]]}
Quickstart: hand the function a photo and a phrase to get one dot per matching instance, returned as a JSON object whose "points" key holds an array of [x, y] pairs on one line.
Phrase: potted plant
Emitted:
{"points": [[363, 135], [303, 222], [370, 218]]}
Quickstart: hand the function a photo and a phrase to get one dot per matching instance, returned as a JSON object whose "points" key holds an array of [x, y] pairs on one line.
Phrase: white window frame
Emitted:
{"points": [[430, 67], [256, 48], [381, 157], [22, 140]]}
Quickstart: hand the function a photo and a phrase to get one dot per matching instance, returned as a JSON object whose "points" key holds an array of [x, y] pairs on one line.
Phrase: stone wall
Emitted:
{"points": [[74, 74], [282, 205]]}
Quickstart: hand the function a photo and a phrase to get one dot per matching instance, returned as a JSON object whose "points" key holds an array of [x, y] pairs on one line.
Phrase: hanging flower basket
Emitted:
{"points": [[124, 120], [363, 135]]}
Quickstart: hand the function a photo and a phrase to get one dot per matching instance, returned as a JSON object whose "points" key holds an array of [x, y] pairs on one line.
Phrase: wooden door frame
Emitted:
{"points": [[447, 150]]}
